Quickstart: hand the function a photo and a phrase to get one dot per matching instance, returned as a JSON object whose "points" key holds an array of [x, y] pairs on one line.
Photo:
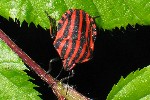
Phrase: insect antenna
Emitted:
{"points": [[53, 27]]}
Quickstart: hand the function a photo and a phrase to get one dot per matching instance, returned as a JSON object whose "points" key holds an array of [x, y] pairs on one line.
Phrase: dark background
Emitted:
{"points": [[117, 53]]}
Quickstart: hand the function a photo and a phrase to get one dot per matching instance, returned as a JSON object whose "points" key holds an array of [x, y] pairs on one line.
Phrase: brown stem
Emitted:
{"points": [[34, 66]]}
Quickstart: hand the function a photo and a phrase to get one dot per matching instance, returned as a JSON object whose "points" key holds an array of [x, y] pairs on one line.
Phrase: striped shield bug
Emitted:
{"points": [[74, 37]]}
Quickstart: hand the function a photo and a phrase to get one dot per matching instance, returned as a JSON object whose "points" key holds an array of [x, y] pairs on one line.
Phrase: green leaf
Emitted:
{"points": [[113, 13], [136, 86], [14, 84]]}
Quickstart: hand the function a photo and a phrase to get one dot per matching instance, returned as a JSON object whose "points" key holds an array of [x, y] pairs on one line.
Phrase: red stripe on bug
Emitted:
{"points": [[70, 34], [60, 32], [60, 21], [64, 17], [86, 36], [78, 39]]}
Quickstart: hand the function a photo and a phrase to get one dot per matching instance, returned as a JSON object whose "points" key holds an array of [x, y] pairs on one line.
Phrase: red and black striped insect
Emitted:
{"points": [[74, 37]]}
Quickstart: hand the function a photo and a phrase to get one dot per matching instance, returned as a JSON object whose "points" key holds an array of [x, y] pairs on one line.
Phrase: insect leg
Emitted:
{"points": [[67, 78], [50, 64], [59, 73], [70, 76], [95, 17], [53, 27]]}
